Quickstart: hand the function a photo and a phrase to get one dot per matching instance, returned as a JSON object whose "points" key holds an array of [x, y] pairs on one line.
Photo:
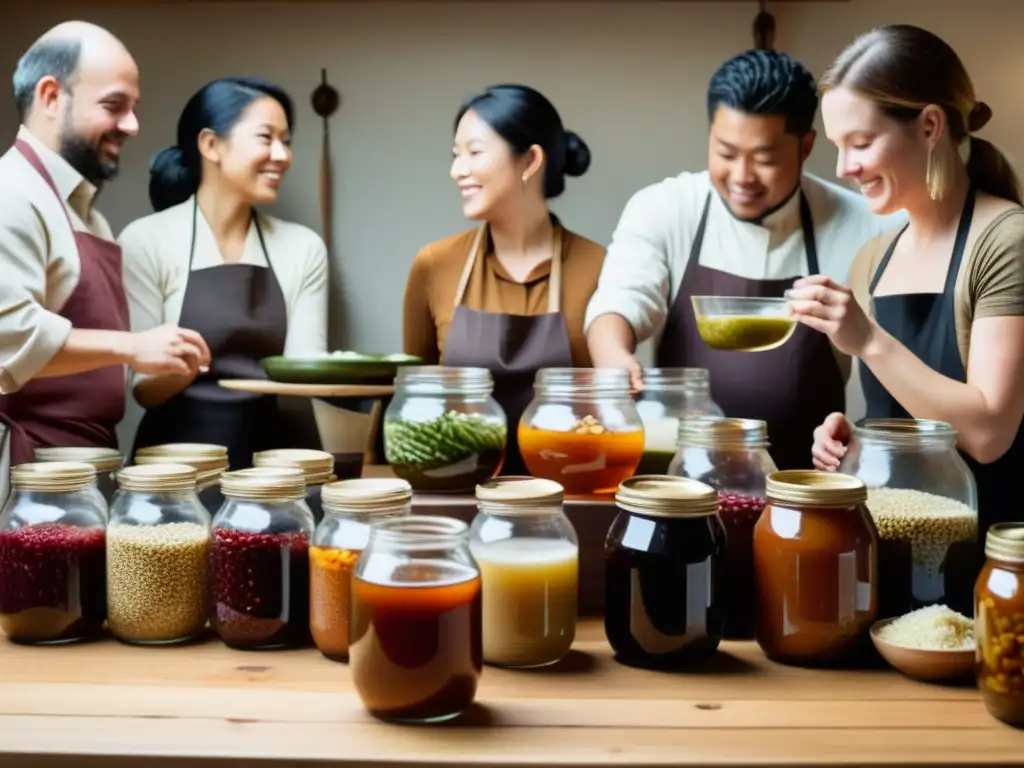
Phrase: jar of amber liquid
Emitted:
{"points": [[416, 647], [53, 555], [582, 429], [669, 395], [528, 556], [816, 568], [664, 575], [999, 623], [350, 508], [731, 455]]}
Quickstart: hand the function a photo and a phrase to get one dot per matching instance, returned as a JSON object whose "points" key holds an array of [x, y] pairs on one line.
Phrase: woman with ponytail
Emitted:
{"points": [[252, 285], [934, 311]]}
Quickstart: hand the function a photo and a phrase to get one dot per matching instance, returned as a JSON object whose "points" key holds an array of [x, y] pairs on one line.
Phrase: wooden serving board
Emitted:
{"points": [[308, 390]]}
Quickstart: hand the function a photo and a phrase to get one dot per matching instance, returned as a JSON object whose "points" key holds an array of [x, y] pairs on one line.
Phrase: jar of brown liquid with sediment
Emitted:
{"points": [[816, 568]]}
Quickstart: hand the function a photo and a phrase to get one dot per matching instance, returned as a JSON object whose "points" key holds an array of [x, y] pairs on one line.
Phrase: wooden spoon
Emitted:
{"points": [[325, 100]]}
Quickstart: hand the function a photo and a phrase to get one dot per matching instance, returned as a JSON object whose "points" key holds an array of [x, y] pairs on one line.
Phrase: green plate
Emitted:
{"points": [[338, 368]]}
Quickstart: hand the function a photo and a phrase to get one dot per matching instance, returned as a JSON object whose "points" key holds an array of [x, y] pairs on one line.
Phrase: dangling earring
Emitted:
{"points": [[934, 177]]}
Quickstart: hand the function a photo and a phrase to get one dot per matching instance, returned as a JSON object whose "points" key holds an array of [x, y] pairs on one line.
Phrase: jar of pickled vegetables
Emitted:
{"points": [[53, 554], [664, 576], [731, 455], [528, 556], [416, 647], [582, 429], [816, 568], [999, 623], [923, 499], [317, 466], [158, 547], [106, 461], [670, 394], [259, 564], [350, 508], [443, 430]]}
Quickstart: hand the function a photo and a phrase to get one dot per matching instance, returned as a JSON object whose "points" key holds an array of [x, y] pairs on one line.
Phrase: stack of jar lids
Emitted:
{"points": [[316, 466], [53, 476], [209, 461], [157, 476], [102, 459], [366, 492], [265, 484]]}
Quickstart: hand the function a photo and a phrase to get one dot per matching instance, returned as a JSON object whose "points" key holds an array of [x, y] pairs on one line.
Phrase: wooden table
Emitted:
{"points": [[111, 705]]}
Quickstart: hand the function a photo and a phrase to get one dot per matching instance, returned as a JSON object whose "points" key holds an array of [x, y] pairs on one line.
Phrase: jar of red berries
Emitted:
{"points": [[730, 455], [53, 554], [260, 559]]}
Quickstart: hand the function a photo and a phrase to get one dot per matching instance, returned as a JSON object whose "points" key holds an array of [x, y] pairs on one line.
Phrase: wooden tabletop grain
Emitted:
{"points": [[107, 704]]}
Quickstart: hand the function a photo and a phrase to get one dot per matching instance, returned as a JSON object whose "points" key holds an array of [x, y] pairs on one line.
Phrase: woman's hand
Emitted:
{"points": [[830, 442], [826, 306]]}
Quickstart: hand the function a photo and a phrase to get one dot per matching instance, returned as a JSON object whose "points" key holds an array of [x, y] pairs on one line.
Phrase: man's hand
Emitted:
{"points": [[167, 349]]}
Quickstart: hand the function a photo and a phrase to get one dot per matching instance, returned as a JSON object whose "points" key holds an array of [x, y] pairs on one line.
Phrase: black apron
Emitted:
{"points": [[792, 388], [239, 309], [925, 323]]}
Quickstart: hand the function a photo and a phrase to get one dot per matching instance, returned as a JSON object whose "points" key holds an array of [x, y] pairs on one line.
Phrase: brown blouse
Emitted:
{"points": [[434, 281]]}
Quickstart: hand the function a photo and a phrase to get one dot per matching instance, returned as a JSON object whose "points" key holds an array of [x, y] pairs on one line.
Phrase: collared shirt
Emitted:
{"points": [[38, 257], [650, 247]]}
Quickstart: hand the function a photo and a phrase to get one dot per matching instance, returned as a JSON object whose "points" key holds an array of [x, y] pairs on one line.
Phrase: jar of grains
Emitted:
{"points": [[260, 559], [350, 508], [158, 544], [923, 499], [52, 554], [731, 455]]}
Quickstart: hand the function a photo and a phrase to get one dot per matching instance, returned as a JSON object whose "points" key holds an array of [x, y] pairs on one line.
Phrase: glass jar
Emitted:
{"points": [[670, 394], [664, 578], [416, 649], [259, 564], [816, 568], [158, 546], [350, 508], [528, 556], [731, 455], [443, 430], [999, 623], [106, 461], [317, 466], [53, 554], [923, 499], [209, 461], [582, 429]]}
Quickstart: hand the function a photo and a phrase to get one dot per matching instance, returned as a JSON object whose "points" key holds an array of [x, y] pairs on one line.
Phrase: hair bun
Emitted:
{"points": [[577, 155], [171, 181], [981, 113]]}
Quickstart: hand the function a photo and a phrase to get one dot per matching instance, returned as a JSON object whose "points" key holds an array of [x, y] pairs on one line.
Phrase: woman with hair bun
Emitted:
{"points": [[510, 294], [934, 311], [252, 285]]}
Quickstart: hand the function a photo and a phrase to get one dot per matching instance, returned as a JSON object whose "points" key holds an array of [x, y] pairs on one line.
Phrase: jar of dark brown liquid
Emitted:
{"points": [[999, 623], [816, 568], [731, 455], [664, 578], [416, 649]]}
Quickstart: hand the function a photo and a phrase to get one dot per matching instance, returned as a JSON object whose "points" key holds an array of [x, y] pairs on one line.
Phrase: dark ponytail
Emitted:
{"points": [[176, 172], [991, 172]]}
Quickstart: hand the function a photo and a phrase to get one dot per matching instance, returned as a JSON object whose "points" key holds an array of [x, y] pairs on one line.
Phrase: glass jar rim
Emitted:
{"points": [[53, 476], [909, 433], [365, 494], [722, 432], [583, 381], [445, 378], [666, 496], [520, 496], [667, 378], [155, 477], [814, 487], [1005, 541], [420, 532]]}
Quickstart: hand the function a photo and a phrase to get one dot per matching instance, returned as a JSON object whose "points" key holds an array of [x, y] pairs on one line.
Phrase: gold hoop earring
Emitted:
{"points": [[934, 177]]}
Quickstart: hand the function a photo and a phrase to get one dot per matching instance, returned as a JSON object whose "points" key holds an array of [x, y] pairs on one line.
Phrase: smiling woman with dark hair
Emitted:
{"points": [[510, 294], [254, 286]]}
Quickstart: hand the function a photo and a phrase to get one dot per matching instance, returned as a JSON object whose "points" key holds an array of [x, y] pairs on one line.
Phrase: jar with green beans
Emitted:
{"points": [[444, 432]]}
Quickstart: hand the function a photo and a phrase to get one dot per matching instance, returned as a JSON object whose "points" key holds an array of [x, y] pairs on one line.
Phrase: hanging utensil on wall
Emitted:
{"points": [[764, 29], [326, 101]]}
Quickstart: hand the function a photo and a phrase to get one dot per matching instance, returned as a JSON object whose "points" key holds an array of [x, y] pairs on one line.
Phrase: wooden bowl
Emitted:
{"points": [[924, 664]]}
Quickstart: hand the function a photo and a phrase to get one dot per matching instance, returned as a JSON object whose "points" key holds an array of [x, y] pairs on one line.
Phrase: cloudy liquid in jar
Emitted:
{"points": [[416, 648], [530, 588]]}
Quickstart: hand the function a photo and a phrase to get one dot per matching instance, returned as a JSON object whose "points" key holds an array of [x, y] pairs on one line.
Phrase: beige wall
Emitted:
{"points": [[630, 77]]}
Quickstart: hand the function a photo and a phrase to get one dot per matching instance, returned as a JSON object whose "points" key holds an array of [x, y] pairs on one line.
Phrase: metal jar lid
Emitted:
{"points": [[53, 476], [721, 432], [815, 488], [519, 495], [264, 484], [318, 466], [153, 478], [1005, 541], [183, 449], [366, 494], [103, 459], [667, 496]]}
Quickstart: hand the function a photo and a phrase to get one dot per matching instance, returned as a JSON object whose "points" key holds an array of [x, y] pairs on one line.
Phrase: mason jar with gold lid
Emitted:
{"points": [[351, 507], [528, 556], [158, 542], [106, 461], [317, 466], [816, 568], [260, 560], [999, 623], [664, 572], [209, 461], [53, 554]]}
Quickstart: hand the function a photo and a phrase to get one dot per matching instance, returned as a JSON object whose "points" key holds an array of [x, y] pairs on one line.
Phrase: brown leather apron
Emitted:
{"points": [[792, 388], [82, 409], [512, 347], [239, 309]]}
